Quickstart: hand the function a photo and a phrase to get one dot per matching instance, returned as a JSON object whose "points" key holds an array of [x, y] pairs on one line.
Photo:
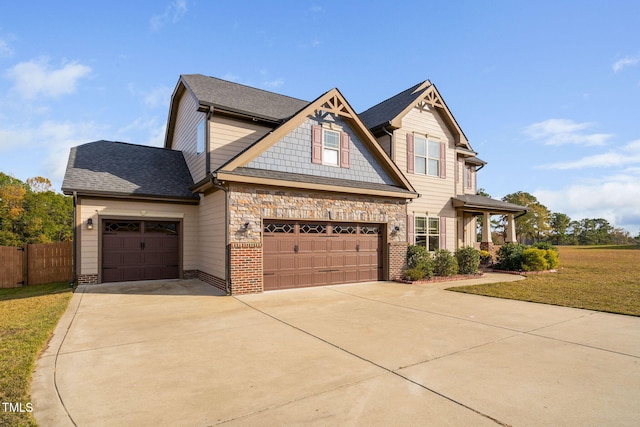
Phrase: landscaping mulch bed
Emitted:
{"points": [[437, 279]]}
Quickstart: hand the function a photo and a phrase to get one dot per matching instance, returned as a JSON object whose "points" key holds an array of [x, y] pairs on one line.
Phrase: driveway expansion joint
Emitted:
{"points": [[391, 371]]}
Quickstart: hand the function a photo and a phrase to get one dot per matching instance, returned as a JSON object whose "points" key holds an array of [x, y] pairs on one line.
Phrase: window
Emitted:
{"points": [[330, 147], [468, 177], [427, 157], [201, 137], [427, 230]]}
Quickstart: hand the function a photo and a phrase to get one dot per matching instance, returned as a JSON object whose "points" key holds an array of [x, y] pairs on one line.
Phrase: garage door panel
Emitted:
{"points": [[326, 254], [139, 250]]}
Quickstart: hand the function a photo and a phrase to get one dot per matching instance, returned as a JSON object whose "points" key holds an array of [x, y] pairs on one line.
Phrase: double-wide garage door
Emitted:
{"points": [[300, 254], [140, 250]]}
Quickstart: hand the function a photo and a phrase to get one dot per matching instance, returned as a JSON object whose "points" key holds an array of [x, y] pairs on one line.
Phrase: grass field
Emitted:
{"points": [[29, 315], [601, 278]]}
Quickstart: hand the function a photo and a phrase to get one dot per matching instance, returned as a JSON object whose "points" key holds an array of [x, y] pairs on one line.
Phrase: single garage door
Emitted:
{"points": [[140, 250], [300, 254]]}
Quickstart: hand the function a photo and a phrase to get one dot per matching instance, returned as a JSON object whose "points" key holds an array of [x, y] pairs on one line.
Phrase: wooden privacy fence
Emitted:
{"points": [[35, 264]]}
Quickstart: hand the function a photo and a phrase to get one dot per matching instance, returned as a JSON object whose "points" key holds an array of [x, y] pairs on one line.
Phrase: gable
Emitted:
{"points": [[391, 112], [370, 156], [293, 154]]}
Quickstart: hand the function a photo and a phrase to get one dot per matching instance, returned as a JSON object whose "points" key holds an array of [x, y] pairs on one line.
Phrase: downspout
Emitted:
{"points": [[391, 151], [75, 239], [227, 265]]}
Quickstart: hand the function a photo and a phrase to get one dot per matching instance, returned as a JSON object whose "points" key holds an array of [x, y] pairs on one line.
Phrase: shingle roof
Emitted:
{"points": [[386, 110], [313, 179], [477, 201], [242, 99], [118, 168]]}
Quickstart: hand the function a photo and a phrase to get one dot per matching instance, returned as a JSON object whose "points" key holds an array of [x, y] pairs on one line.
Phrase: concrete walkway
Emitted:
{"points": [[172, 353]]}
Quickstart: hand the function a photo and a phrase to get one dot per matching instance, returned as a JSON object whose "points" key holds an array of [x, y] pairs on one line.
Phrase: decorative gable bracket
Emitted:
{"points": [[431, 98], [334, 105]]}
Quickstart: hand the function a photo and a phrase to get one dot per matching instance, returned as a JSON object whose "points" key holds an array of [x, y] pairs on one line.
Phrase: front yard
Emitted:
{"points": [[29, 315], [601, 278]]}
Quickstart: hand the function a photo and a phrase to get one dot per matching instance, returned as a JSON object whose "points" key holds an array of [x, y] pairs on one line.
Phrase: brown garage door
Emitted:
{"points": [[140, 250], [299, 254]]}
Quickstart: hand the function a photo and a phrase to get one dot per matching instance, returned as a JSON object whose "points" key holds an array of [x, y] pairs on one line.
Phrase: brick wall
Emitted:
{"points": [[397, 259], [87, 279], [246, 267]]}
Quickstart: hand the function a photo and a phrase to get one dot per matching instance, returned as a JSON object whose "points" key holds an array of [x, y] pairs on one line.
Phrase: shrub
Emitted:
{"points": [[416, 254], [419, 262], [552, 258], [468, 260], [414, 274], [534, 259], [444, 263], [510, 256], [485, 257], [545, 246]]}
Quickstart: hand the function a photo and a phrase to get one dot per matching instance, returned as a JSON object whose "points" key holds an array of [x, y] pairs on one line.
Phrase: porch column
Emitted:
{"points": [[486, 228], [511, 229]]}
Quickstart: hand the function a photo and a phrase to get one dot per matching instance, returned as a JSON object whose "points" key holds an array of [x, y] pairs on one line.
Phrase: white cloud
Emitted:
{"points": [[629, 155], [611, 197], [145, 131], [157, 97], [172, 14], [5, 49], [627, 61], [38, 78], [51, 141], [274, 83], [563, 131]]}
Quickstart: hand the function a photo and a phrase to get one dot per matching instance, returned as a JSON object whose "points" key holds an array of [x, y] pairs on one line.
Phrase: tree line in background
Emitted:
{"points": [[31, 212], [541, 225]]}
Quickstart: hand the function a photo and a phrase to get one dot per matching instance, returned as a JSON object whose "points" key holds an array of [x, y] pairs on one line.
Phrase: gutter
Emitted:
{"points": [[227, 264]]}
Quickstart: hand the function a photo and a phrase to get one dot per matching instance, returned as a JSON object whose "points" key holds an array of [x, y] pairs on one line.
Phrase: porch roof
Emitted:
{"points": [[477, 203]]}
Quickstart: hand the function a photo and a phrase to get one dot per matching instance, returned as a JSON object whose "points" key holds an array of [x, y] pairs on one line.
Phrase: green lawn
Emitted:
{"points": [[601, 278], [28, 317]]}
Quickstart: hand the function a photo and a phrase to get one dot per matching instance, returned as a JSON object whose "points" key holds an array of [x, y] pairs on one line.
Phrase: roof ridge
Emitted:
{"points": [[247, 86], [128, 143], [416, 86]]}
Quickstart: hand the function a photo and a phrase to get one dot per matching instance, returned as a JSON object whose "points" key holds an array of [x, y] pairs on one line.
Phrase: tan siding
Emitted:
{"points": [[385, 143], [185, 135], [435, 192], [229, 137], [211, 240], [88, 257]]}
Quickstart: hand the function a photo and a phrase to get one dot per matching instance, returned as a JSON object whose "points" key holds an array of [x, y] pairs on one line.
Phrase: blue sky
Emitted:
{"points": [[547, 92]]}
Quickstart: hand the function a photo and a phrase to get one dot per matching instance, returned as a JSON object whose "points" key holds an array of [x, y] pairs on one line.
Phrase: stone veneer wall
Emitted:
{"points": [[251, 204]]}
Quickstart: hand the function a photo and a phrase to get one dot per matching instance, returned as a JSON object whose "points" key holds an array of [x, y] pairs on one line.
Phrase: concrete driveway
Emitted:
{"points": [[172, 353]]}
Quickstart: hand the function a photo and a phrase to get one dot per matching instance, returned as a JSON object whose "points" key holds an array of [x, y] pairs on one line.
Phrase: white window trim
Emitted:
{"points": [[427, 234], [324, 148], [417, 157]]}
